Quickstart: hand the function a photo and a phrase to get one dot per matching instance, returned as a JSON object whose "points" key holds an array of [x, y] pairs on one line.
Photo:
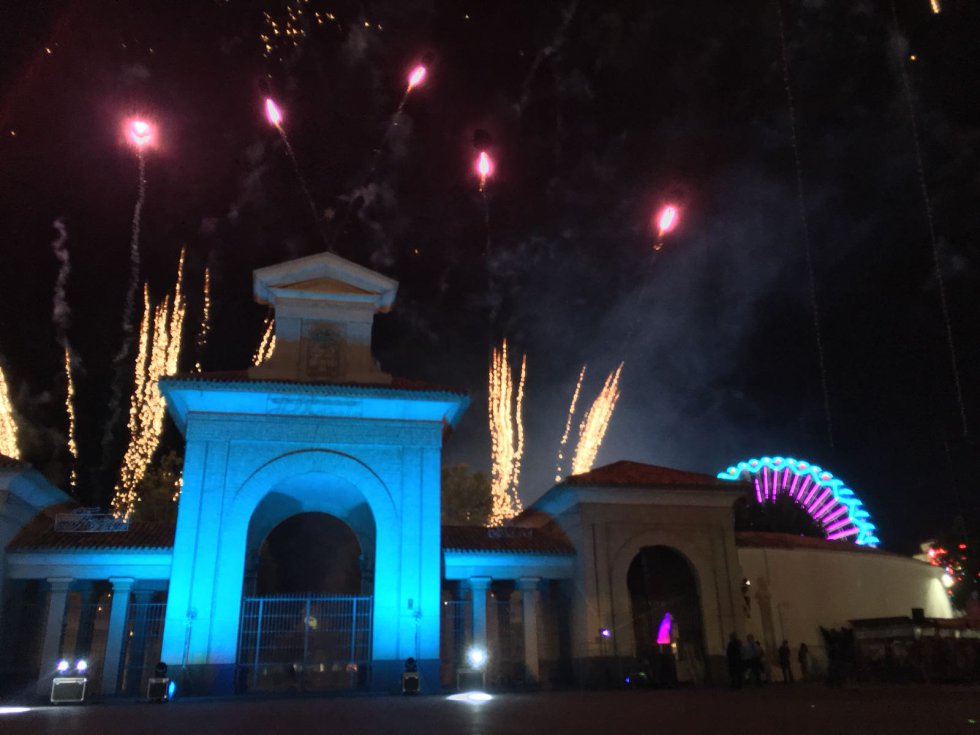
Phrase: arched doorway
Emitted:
{"points": [[667, 621], [307, 609]]}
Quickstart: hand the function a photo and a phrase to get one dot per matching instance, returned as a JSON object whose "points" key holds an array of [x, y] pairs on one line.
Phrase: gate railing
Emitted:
{"points": [[304, 642]]}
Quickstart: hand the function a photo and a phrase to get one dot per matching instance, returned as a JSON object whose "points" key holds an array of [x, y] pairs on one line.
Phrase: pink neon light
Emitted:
{"points": [[823, 511], [765, 482], [810, 494], [819, 501], [663, 632], [841, 510], [840, 524], [785, 478], [852, 531], [758, 490], [792, 489]]}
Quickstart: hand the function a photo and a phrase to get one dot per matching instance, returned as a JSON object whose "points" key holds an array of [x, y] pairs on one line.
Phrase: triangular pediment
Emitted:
{"points": [[323, 276]]}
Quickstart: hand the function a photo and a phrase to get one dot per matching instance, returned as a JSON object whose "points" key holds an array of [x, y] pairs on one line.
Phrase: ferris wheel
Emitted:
{"points": [[826, 498]]}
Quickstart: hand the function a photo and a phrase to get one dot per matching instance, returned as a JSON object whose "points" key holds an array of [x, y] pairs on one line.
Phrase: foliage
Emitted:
{"points": [[466, 498], [158, 489]]}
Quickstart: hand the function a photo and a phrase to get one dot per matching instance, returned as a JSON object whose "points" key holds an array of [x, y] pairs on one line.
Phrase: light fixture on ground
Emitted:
{"points": [[159, 688], [475, 697], [474, 675], [411, 682], [68, 684]]}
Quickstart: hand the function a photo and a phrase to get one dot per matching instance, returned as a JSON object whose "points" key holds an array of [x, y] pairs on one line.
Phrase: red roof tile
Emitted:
{"points": [[242, 377], [504, 539], [40, 534], [637, 474]]}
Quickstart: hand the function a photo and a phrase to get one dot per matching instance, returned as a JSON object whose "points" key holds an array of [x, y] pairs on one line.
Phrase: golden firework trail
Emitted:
{"points": [[267, 344], [568, 424], [158, 355], [593, 428], [936, 7], [506, 417], [8, 425], [205, 329], [70, 409]]}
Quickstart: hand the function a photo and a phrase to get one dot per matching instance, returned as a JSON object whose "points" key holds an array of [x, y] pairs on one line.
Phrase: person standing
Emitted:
{"points": [[784, 663], [734, 652], [750, 660], [804, 658]]}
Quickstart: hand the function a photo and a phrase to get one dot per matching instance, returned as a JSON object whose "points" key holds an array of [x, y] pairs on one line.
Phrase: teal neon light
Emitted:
{"points": [[826, 498]]}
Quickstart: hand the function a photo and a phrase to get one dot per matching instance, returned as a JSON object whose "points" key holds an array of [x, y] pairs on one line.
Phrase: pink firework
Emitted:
{"points": [[140, 133], [667, 220], [272, 112], [484, 167], [417, 77]]}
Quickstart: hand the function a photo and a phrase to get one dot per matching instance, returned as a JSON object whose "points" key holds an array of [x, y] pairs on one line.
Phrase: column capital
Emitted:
{"points": [[60, 584], [479, 584], [528, 583], [122, 584]]}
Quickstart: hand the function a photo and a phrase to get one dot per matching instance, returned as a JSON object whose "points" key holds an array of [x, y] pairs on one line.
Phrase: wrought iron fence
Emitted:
{"points": [[304, 643], [141, 645]]}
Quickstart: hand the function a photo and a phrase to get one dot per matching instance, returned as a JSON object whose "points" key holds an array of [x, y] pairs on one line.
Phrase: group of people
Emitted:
{"points": [[748, 661]]}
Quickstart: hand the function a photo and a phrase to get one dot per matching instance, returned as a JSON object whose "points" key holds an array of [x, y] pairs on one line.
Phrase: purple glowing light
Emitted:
{"points": [[663, 632]]}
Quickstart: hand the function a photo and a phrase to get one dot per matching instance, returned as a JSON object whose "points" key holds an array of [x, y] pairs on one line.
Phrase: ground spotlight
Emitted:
{"points": [[67, 688], [13, 710], [475, 697], [159, 687]]}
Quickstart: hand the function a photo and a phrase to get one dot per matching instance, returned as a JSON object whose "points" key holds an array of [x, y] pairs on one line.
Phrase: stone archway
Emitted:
{"points": [[668, 625]]}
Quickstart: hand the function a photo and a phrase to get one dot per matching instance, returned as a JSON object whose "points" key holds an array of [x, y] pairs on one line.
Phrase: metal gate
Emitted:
{"points": [[141, 646], [304, 643]]}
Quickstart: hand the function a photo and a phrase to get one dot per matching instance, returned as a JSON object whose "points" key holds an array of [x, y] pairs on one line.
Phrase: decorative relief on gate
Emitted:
{"points": [[324, 350]]}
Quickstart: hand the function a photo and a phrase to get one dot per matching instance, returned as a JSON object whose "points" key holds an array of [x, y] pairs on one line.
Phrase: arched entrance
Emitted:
{"points": [[308, 590], [666, 610]]}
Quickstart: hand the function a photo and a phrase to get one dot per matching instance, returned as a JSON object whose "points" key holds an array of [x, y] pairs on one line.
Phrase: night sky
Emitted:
{"points": [[599, 113]]}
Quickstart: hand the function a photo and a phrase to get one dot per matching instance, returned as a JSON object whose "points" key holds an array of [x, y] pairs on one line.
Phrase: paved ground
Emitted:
{"points": [[799, 710]]}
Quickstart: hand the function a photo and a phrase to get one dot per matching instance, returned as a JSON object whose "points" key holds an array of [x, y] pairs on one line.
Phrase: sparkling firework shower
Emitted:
{"points": [[267, 344], [568, 424], [158, 355], [70, 410], [666, 222], [8, 425], [204, 329], [506, 416], [593, 427], [275, 117], [140, 134], [484, 169]]}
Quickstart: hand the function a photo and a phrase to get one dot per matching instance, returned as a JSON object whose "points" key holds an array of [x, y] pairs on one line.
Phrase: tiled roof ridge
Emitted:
{"points": [[626, 472], [242, 377]]}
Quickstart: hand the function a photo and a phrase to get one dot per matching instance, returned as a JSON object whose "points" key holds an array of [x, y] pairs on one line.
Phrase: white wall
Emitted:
{"points": [[808, 588]]}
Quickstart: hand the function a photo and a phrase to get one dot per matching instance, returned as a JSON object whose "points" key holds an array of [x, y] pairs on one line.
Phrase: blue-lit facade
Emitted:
{"points": [[553, 599]]}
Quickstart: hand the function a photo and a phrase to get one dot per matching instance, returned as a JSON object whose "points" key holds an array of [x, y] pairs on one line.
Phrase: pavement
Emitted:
{"points": [[786, 710]]}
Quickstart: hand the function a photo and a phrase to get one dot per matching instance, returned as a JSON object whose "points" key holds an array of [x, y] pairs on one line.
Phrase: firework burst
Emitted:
{"points": [[158, 355], [267, 344], [506, 416], [8, 424], [568, 424], [593, 428]]}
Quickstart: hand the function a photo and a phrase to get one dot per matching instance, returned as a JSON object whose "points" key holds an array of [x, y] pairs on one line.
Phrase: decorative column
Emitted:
{"points": [[116, 636], [51, 648], [529, 600], [478, 609]]}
